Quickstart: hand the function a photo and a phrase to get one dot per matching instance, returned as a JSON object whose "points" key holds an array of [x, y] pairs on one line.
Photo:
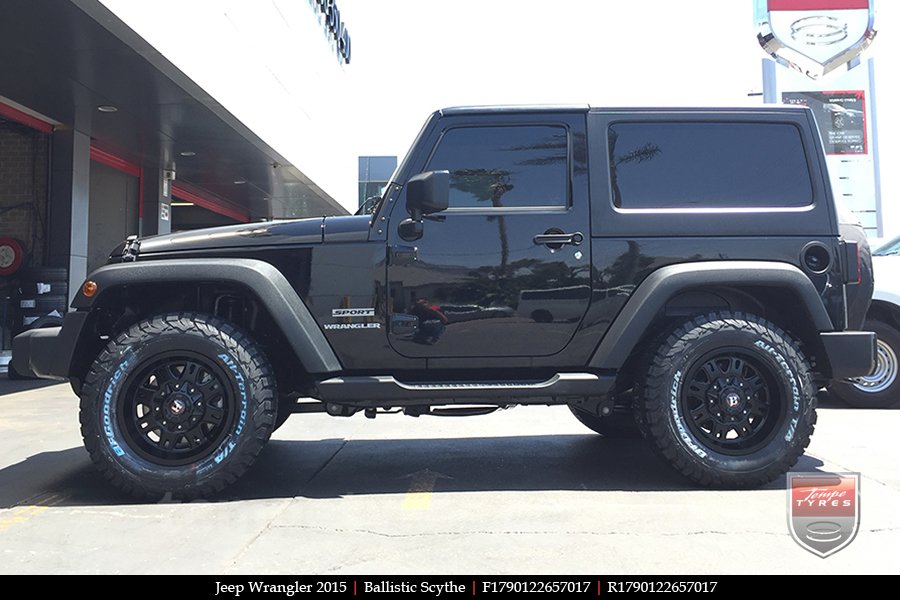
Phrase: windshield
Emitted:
{"points": [[368, 207], [889, 248], [373, 204]]}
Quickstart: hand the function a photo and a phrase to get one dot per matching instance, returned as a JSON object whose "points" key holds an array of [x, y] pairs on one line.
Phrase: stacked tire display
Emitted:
{"points": [[41, 299]]}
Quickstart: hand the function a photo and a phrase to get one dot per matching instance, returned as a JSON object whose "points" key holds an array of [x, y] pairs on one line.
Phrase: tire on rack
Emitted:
{"points": [[178, 403], [618, 425], [881, 389], [728, 400]]}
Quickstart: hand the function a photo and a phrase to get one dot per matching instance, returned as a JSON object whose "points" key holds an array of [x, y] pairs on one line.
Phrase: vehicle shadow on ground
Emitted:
{"points": [[334, 468], [12, 386]]}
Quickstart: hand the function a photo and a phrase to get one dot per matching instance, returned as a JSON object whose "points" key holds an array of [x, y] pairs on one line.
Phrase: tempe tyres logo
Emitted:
{"points": [[823, 510], [815, 37]]}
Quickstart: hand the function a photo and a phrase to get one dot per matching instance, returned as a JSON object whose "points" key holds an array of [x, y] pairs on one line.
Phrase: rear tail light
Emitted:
{"points": [[852, 262]]}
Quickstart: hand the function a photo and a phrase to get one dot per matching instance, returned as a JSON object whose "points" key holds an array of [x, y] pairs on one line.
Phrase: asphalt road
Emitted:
{"points": [[523, 491]]}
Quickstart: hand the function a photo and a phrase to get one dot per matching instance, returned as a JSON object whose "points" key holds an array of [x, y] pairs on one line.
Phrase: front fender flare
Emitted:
{"points": [[260, 278]]}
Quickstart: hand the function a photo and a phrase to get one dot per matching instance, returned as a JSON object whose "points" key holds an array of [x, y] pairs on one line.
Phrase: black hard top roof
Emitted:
{"points": [[570, 108]]}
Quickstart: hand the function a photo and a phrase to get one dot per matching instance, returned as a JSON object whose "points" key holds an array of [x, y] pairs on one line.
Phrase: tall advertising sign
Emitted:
{"points": [[841, 116], [815, 37], [820, 42]]}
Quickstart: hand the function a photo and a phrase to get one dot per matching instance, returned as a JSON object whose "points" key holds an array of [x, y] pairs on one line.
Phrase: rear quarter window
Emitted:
{"points": [[707, 165]]}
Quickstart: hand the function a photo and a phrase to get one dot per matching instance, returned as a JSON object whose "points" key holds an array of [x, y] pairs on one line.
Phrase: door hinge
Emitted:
{"points": [[403, 255]]}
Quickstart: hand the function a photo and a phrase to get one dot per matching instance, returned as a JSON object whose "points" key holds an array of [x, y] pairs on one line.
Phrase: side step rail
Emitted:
{"points": [[378, 389]]}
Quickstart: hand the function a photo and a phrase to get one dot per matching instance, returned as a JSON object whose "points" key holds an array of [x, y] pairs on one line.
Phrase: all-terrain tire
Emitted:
{"points": [[728, 400], [179, 403]]}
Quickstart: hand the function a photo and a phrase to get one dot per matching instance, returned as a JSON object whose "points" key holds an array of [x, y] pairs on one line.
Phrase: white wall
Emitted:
{"points": [[635, 53], [270, 64]]}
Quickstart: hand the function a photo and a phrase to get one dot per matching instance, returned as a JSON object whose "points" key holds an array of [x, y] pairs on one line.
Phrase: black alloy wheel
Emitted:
{"points": [[177, 409], [727, 400], [732, 402], [178, 404]]}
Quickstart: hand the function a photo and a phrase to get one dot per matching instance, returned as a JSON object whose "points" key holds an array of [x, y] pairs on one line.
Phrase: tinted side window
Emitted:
{"points": [[504, 167], [708, 165]]}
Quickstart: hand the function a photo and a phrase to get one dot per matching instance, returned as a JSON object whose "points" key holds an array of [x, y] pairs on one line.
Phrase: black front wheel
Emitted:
{"points": [[179, 403], [728, 400]]}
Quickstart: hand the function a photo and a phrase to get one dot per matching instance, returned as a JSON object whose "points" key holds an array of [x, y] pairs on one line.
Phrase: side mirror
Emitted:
{"points": [[427, 193], [410, 230]]}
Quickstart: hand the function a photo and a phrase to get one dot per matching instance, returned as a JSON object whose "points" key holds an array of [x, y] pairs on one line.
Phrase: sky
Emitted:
{"points": [[411, 57]]}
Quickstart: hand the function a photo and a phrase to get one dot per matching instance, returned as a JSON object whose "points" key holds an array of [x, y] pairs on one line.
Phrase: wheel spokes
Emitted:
{"points": [[178, 410], [727, 400], [754, 384], [214, 414]]}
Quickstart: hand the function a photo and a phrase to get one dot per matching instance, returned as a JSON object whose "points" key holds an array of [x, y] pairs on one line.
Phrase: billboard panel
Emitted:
{"points": [[841, 116]]}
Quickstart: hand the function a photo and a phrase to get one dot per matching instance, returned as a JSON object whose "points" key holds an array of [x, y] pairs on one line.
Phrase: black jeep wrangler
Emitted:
{"points": [[673, 272]]}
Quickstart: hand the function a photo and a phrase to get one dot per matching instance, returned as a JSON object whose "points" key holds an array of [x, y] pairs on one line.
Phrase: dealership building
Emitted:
{"points": [[102, 136]]}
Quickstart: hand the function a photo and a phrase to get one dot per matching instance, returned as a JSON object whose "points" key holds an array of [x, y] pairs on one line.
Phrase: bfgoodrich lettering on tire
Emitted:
{"points": [[180, 403], [728, 400]]}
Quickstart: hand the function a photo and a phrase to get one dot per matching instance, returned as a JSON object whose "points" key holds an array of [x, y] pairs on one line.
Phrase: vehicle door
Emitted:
{"points": [[505, 269]]}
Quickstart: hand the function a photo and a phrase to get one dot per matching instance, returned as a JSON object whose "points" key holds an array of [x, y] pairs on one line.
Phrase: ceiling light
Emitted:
{"points": [[239, 181], [108, 108], [189, 153], [181, 203]]}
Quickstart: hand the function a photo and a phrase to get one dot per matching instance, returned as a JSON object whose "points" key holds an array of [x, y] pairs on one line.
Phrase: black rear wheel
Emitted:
{"points": [[728, 400], [731, 401]]}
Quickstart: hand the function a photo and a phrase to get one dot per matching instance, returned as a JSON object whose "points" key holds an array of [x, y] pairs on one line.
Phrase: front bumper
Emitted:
{"points": [[47, 353], [850, 353]]}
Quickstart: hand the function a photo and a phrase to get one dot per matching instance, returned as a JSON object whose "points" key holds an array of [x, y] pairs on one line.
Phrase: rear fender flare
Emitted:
{"points": [[662, 285]]}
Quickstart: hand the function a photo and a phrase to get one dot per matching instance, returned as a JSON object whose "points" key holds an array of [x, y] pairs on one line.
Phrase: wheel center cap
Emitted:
{"points": [[732, 399], [177, 406]]}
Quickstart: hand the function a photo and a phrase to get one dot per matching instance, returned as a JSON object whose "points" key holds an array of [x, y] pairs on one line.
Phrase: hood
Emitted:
{"points": [[268, 233]]}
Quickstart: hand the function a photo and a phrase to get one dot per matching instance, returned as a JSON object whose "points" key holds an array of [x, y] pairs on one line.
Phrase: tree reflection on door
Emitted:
{"points": [[484, 185]]}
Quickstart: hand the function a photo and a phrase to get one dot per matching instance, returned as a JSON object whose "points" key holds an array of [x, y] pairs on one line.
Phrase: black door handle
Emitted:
{"points": [[559, 240]]}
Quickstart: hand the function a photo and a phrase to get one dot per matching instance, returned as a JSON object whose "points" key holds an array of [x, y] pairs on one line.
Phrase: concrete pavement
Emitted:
{"points": [[528, 490]]}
